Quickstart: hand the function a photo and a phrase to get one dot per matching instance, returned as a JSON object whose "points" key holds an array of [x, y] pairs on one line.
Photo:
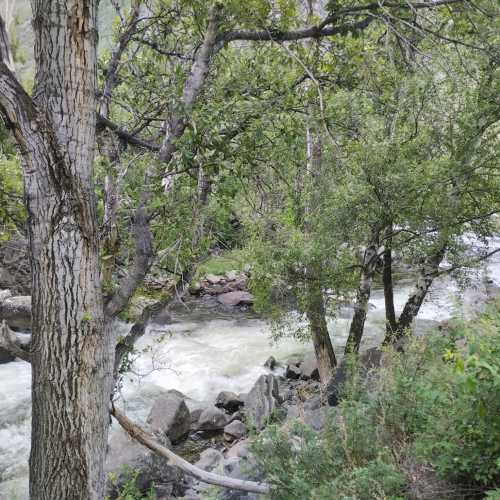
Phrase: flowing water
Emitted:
{"points": [[203, 351]]}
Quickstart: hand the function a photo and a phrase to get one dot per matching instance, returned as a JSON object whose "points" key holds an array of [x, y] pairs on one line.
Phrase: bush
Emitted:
{"points": [[436, 407]]}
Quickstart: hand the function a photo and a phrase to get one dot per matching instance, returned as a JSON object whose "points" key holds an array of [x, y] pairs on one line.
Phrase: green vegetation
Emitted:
{"points": [[428, 421]]}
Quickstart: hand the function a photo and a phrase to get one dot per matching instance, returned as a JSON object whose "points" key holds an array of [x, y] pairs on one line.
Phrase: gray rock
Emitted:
{"points": [[170, 416], [228, 400], [309, 368], [16, 311], [209, 459], [212, 419], [235, 430], [241, 449], [262, 401], [293, 372], [270, 363], [126, 455], [232, 275], [15, 269], [237, 298], [213, 279], [5, 356]]}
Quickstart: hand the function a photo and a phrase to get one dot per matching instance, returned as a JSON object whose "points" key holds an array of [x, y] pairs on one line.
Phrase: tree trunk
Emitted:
{"points": [[323, 347], [390, 313], [71, 351], [424, 281], [362, 297]]}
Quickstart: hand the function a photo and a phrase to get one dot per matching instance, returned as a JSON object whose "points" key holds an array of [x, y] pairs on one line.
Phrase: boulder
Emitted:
{"points": [[212, 419], [209, 459], [228, 400], [309, 368], [15, 269], [369, 360], [235, 430], [16, 311], [170, 416], [232, 275], [270, 363], [237, 298], [262, 401], [126, 456], [5, 356], [213, 279], [293, 372]]}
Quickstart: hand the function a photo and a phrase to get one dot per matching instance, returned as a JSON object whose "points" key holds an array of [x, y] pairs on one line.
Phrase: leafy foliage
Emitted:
{"points": [[436, 405]]}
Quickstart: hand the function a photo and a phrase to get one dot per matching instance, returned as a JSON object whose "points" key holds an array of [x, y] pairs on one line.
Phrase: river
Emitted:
{"points": [[203, 351]]}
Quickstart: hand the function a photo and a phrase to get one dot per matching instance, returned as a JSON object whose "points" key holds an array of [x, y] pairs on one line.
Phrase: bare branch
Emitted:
{"points": [[126, 136], [111, 74], [150, 442]]}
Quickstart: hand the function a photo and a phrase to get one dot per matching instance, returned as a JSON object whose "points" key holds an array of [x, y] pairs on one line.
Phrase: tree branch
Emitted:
{"points": [[8, 341], [140, 266], [150, 442], [192, 86], [324, 28], [116, 55]]}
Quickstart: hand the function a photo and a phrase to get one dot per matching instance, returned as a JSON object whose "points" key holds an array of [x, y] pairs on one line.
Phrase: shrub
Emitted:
{"points": [[437, 405]]}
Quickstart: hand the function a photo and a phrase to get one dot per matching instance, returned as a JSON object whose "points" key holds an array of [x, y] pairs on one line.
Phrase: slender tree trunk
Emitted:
{"points": [[412, 307], [316, 316], [362, 300], [390, 313]]}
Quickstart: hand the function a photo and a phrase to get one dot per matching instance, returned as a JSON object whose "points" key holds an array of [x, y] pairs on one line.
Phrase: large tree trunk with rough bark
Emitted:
{"points": [[356, 329], [72, 350]]}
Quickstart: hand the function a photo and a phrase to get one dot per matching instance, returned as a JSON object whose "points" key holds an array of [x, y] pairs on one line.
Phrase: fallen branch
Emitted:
{"points": [[8, 341], [148, 441]]}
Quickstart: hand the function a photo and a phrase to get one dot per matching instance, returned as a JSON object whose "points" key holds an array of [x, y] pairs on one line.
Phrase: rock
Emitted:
{"points": [[5, 356], [270, 363], [213, 279], [293, 372], [228, 400], [17, 311], [235, 430], [126, 455], [170, 416], [5, 294], [369, 360], [195, 415], [232, 275], [137, 304], [212, 419], [195, 288], [262, 401], [232, 299], [209, 459], [15, 269], [309, 368], [241, 449]]}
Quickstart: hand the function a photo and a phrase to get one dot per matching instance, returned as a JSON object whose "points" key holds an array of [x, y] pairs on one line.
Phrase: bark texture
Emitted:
{"points": [[323, 348], [428, 272], [356, 329], [390, 313], [71, 350]]}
